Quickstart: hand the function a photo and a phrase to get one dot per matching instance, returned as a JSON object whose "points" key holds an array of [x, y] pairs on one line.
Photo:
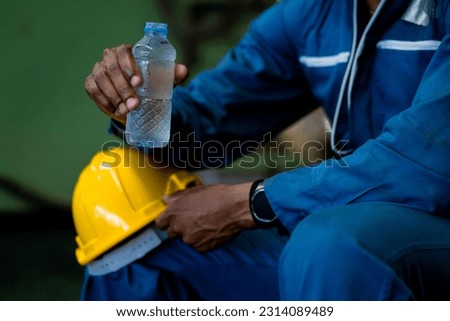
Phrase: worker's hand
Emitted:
{"points": [[112, 81], [207, 216]]}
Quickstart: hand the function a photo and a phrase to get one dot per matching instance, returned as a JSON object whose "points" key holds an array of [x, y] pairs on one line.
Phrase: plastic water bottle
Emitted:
{"points": [[149, 124]]}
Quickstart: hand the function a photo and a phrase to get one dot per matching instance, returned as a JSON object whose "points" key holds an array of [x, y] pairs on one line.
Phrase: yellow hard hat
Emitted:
{"points": [[118, 194]]}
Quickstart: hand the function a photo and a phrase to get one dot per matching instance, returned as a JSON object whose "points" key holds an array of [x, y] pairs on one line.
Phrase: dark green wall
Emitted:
{"points": [[49, 126]]}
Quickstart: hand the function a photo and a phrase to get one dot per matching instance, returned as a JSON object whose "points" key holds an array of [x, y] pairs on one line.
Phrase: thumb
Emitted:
{"points": [[181, 74], [163, 221]]}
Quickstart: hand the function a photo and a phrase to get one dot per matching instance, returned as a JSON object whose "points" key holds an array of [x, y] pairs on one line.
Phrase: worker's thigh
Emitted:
{"points": [[244, 269], [370, 251]]}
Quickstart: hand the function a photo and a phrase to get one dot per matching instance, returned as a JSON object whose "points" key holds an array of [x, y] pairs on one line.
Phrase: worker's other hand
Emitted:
{"points": [[207, 216], [112, 80]]}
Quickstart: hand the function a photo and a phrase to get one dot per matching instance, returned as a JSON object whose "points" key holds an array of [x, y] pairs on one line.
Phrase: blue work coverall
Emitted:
{"points": [[371, 223]]}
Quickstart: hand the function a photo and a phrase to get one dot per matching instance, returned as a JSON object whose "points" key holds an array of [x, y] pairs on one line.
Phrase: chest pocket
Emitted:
{"points": [[399, 69]]}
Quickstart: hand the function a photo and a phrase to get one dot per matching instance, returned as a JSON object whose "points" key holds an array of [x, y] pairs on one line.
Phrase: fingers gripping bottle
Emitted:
{"points": [[149, 124]]}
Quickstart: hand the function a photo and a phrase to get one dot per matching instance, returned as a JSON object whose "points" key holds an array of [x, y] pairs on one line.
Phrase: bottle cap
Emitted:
{"points": [[156, 27]]}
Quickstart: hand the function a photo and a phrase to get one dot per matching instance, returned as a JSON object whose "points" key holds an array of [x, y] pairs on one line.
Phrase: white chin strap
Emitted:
{"points": [[129, 252]]}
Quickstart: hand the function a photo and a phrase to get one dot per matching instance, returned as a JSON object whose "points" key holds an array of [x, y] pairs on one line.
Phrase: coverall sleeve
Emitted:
{"points": [[407, 164], [258, 87]]}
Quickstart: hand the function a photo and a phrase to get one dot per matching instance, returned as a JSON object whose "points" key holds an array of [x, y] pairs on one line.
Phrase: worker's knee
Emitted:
{"points": [[333, 253], [321, 242], [353, 251]]}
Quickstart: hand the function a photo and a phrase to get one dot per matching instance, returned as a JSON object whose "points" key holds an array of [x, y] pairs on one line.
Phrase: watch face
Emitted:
{"points": [[261, 207]]}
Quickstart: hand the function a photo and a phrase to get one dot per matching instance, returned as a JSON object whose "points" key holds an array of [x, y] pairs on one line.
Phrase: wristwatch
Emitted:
{"points": [[260, 208]]}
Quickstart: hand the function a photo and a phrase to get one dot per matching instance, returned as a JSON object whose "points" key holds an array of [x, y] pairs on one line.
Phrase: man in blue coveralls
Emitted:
{"points": [[375, 229]]}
